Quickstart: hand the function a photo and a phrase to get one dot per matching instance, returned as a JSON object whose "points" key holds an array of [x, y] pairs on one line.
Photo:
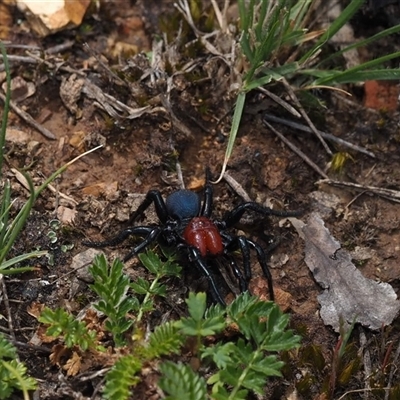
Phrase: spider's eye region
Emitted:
{"points": [[183, 204]]}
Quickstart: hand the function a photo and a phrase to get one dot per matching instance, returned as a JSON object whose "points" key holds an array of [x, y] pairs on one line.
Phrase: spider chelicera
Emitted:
{"points": [[187, 224]]}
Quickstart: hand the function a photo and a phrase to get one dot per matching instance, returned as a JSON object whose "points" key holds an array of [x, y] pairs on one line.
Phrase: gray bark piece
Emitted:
{"points": [[348, 295]]}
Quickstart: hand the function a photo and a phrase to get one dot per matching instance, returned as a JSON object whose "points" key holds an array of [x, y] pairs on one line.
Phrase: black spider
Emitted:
{"points": [[186, 224]]}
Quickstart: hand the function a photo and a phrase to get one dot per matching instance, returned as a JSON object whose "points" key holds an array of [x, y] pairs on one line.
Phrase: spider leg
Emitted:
{"points": [[241, 243], [153, 196], [243, 284], [206, 209], [137, 230], [195, 256], [262, 259], [234, 216], [150, 234]]}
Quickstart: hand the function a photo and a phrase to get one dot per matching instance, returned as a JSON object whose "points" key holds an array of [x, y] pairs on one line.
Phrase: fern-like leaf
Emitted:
{"points": [[61, 323], [112, 285], [13, 373], [165, 340], [181, 382], [122, 377], [7, 350], [196, 324]]}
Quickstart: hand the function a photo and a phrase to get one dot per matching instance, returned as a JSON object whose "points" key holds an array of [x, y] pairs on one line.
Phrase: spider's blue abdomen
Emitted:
{"points": [[183, 204]]}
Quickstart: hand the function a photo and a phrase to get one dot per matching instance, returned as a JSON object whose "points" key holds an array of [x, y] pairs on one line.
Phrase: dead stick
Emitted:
{"points": [[28, 119], [389, 194], [325, 135], [296, 150], [305, 115], [8, 309]]}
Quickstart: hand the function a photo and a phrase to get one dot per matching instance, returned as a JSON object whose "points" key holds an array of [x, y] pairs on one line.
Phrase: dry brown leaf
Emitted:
{"points": [[58, 351], [41, 334], [6, 19], [348, 295], [93, 323], [17, 136], [196, 184], [35, 309], [94, 359], [66, 215], [20, 89], [73, 364]]}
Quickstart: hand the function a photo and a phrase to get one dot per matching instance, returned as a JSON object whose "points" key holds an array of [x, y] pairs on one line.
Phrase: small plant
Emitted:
{"points": [[273, 35], [13, 372], [64, 324], [112, 286], [262, 329], [181, 382], [241, 364], [160, 269]]}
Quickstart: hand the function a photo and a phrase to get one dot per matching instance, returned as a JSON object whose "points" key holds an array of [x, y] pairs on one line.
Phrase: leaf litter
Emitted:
{"points": [[348, 296]]}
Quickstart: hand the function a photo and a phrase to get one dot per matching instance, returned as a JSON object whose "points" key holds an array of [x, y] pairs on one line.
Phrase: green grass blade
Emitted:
{"points": [[5, 207], [298, 12], [6, 108], [259, 29], [16, 226], [343, 18], [234, 130], [362, 76], [350, 74], [362, 43], [18, 259]]}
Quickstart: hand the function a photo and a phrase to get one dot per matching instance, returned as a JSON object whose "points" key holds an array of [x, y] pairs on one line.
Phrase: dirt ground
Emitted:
{"points": [[95, 196]]}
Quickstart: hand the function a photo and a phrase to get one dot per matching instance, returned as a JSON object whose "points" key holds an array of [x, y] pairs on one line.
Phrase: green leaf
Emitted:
{"points": [[240, 305], [62, 323], [197, 304], [165, 340], [13, 373], [7, 350], [141, 286], [171, 269], [268, 366], [151, 261], [121, 377], [338, 23], [112, 285], [196, 324], [180, 382], [237, 116], [220, 354]]}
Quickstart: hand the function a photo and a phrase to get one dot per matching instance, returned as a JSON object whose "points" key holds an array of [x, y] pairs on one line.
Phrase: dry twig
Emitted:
{"points": [[236, 186], [28, 119], [366, 356], [304, 114], [325, 135], [8, 309], [296, 150], [389, 194]]}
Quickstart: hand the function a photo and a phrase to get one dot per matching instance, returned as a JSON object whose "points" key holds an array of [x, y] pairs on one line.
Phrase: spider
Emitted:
{"points": [[187, 224]]}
